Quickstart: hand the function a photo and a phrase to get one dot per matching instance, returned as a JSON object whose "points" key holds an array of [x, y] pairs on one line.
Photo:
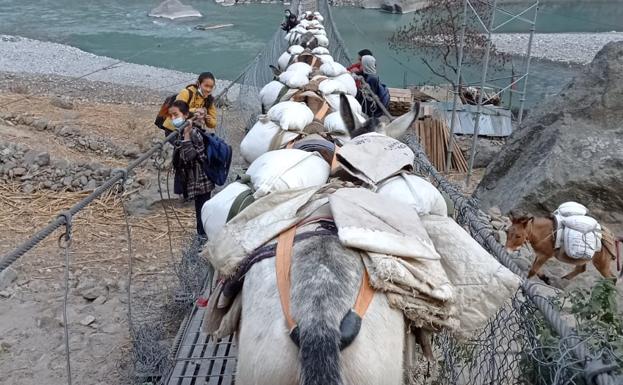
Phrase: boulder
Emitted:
{"points": [[33, 157], [486, 149], [569, 149], [174, 9], [62, 102]]}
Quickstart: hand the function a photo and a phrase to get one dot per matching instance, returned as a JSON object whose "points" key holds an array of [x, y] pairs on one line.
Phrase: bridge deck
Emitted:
{"points": [[201, 360]]}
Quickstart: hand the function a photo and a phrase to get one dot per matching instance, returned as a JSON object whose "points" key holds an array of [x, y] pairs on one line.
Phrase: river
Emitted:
{"points": [[121, 29]]}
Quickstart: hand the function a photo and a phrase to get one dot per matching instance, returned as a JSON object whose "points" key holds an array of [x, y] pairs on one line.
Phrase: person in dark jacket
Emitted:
{"points": [[369, 105], [356, 68], [290, 22], [188, 158]]}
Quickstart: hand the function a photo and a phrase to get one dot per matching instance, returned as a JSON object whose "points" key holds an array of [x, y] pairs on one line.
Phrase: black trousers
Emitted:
{"points": [[199, 201]]}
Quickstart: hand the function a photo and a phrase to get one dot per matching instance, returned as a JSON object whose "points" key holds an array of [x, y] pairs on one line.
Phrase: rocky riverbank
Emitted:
{"points": [[575, 48]]}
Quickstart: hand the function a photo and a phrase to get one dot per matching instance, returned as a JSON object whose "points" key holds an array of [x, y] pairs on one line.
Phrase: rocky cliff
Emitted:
{"points": [[570, 149]]}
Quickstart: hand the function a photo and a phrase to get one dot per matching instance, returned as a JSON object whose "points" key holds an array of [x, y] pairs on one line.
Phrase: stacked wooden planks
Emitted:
{"points": [[400, 101], [434, 135]]}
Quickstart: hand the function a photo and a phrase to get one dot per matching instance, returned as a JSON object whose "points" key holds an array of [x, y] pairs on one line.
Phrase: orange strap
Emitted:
{"points": [[283, 261], [322, 112], [334, 162], [366, 293]]}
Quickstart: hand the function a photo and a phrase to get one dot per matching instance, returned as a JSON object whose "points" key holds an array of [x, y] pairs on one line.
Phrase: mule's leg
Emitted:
{"points": [[579, 269], [538, 263], [601, 261]]}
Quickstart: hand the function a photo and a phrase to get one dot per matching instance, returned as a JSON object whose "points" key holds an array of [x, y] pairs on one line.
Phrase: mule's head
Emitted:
{"points": [[394, 129], [517, 233]]}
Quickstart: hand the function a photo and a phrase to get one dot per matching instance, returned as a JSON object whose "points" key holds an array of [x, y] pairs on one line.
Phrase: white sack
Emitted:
{"points": [[581, 236], [482, 285], [416, 192], [296, 50], [321, 51], [571, 208], [332, 69], [325, 58], [343, 83], [287, 169], [335, 125], [323, 41], [259, 138], [215, 211], [294, 79], [292, 116], [355, 107], [283, 61], [270, 92], [303, 68]]}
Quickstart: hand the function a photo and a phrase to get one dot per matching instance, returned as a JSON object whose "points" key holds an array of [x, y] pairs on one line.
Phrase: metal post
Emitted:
{"points": [[485, 67], [529, 56], [457, 88]]}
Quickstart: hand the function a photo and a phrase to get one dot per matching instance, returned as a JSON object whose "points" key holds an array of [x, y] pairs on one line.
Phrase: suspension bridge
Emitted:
{"points": [[509, 350]]}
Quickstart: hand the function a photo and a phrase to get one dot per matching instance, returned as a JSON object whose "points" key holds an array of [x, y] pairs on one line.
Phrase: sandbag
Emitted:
{"points": [[416, 192], [323, 41], [270, 93], [482, 285], [292, 116], [301, 67], [581, 236], [288, 169], [296, 50], [355, 107], [571, 208], [294, 79], [335, 124], [283, 61], [214, 212], [318, 17], [332, 69], [262, 137], [321, 51], [325, 58], [343, 83]]}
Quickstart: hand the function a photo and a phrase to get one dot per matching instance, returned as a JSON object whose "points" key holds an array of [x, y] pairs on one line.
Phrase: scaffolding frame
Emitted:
{"points": [[520, 81]]}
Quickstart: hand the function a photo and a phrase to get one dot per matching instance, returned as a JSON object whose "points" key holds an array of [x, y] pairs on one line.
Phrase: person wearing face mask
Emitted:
{"points": [[188, 158], [200, 101]]}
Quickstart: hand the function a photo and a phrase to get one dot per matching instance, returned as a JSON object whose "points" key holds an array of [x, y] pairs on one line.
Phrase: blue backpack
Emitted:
{"points": [[218, 158]]}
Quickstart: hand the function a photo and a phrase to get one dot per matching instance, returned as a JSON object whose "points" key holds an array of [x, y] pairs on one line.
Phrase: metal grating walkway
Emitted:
{"points": [[201, 360]]}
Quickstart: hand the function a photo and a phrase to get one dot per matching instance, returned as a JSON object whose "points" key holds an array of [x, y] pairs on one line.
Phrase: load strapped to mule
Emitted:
{"points": [[579, 234], [362, 245]]}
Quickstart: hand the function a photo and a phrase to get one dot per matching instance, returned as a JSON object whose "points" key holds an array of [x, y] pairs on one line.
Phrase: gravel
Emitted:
{"points": [[577, 48], [23, 55]]}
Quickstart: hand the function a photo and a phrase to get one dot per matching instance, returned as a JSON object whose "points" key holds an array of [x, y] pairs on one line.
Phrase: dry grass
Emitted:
{"points": [[99, 232]]}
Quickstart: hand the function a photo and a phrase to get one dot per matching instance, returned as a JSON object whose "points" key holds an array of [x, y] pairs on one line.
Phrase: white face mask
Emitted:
{"points": [[178, 122]]}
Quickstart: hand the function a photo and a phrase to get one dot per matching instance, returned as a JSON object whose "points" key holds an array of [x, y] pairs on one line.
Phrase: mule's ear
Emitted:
{"points": [[399, 126], [276, 71], [348, 117]]}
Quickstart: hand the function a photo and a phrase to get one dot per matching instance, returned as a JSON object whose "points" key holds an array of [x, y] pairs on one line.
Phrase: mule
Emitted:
{"points": [[540, 233], [325, 280]]}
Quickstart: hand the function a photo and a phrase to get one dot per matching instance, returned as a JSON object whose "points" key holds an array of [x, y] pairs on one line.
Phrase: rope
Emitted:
{"points": [[159, 162], [64, 242], [43, 233]]}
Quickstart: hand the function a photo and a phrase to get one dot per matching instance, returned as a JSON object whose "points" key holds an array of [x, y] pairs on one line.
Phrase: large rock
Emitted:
{"points": [[571, 148], [174, 9]]}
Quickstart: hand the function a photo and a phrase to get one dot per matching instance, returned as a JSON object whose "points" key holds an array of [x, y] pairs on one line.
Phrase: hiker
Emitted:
{"points": [[355, 68], [188, 158], [368, 65], [290, 22], [198, 96]]}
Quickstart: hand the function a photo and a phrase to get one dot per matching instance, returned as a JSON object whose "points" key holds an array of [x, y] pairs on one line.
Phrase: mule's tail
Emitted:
{"points": [[320, 354]]}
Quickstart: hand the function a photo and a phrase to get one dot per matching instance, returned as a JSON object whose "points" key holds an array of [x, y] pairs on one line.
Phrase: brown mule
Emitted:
{"points": [[539, 232]]}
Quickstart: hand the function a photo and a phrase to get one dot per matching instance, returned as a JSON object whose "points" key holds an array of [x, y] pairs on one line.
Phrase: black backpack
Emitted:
{"points": [[163, 114]]}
